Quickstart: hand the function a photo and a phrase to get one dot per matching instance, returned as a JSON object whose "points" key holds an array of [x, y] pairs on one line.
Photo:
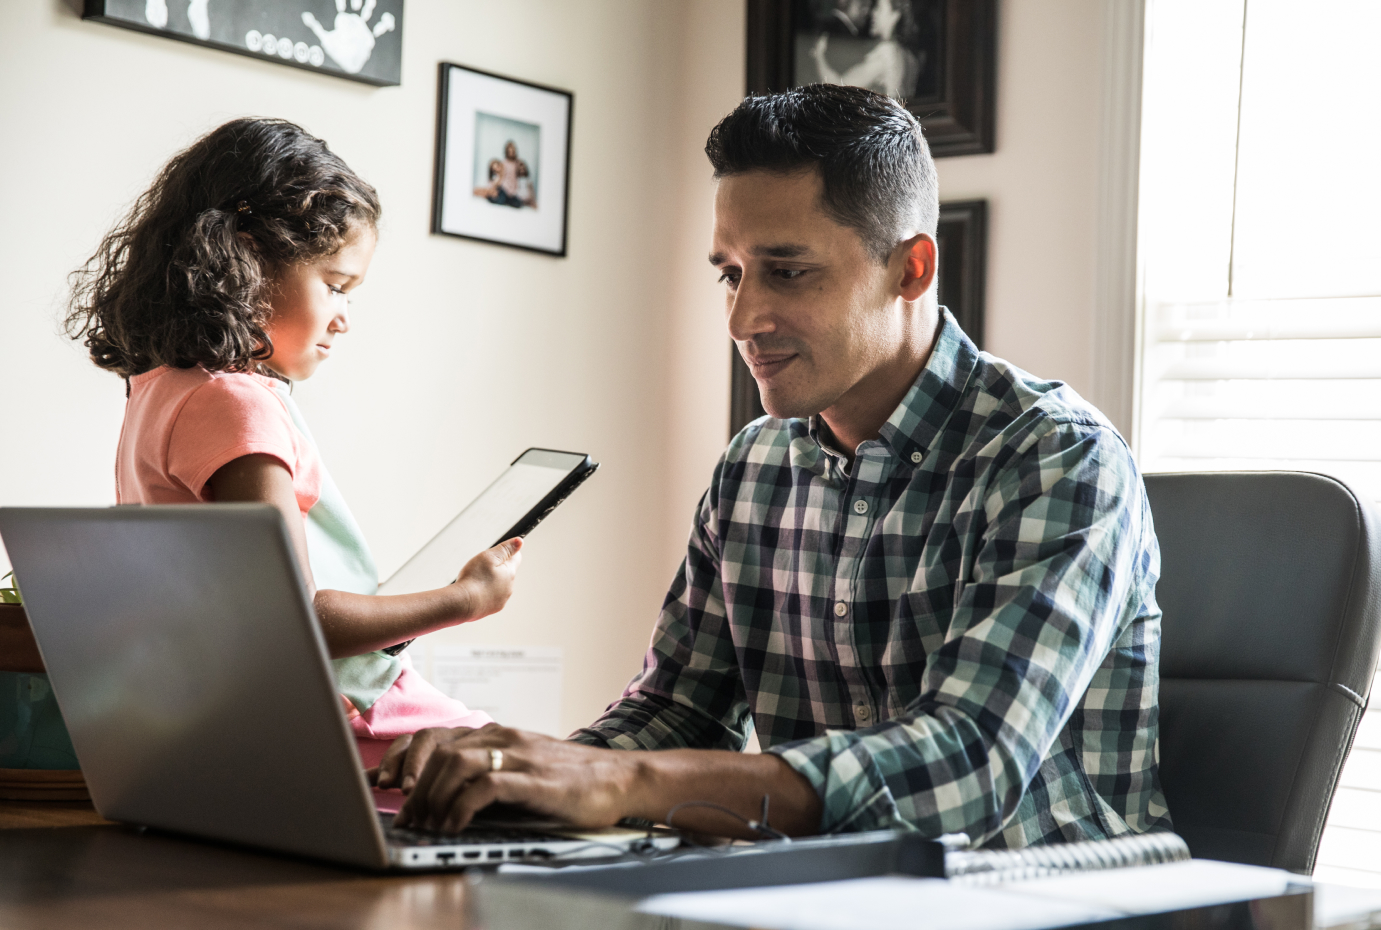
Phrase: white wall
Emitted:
{"points": [[461, 354], [1042, 188]]}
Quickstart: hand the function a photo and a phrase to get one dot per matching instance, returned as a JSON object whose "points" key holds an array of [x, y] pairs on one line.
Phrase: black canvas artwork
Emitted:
{"points": [[895, 47], [939, 57], [361, 40]]}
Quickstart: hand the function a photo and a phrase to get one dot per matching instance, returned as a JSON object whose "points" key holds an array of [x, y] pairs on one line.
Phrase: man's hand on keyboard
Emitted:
{"points": [[449, 775]]}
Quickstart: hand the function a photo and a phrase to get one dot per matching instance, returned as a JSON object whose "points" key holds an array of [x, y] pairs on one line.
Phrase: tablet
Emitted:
{"points": [[532, 486]]}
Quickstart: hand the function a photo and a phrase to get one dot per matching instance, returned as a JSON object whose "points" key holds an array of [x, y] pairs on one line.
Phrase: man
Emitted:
{"points": [[927, 579]]}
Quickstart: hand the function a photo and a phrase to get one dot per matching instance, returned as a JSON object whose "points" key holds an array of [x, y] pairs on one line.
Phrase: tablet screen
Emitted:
{"points": [[484, 522]]}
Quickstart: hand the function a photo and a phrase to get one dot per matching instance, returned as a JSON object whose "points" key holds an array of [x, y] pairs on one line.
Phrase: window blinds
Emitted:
{"points": [[1260, 252]]}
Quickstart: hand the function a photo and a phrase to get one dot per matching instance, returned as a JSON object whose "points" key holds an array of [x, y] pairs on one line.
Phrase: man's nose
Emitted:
{"points": [[750, 312]]}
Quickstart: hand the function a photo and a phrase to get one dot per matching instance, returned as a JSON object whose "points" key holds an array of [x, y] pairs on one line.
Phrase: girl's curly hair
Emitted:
{"points": [[186, 277]]}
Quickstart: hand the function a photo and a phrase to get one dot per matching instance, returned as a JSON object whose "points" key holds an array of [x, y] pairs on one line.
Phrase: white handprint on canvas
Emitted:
{"points": [[352, 41], [200, 18], [156, 12]]}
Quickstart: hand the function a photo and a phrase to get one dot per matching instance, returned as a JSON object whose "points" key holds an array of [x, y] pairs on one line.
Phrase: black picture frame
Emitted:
{"points": [[957, 109], [961, 286], [519, 102], [270, 30]]}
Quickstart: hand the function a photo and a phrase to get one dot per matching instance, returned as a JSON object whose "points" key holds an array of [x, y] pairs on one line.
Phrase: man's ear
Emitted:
{"points": [[919, 256]]}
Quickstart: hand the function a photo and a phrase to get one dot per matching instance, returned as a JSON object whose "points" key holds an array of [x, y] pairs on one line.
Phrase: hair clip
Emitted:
{"points": [[243, 207]]}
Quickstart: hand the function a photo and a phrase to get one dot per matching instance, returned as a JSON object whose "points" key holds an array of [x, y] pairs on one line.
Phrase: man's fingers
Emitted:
{"points": [[418, 808], [387, 770], [474, 797], [461, 770], [424, 745]]}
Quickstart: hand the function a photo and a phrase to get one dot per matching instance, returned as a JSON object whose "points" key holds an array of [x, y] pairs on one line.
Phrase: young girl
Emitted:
{"points": [[226, 283]]}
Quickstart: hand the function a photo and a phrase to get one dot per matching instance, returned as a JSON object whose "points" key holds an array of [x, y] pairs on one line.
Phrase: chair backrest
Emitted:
{"points": [[1271, 589]]}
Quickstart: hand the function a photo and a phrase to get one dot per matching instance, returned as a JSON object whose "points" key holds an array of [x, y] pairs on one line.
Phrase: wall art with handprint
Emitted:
{"points": [[357, 39]]}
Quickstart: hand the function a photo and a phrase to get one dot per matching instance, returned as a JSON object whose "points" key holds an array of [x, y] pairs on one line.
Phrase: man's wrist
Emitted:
{"points": [[643, 785], [656, 782]]}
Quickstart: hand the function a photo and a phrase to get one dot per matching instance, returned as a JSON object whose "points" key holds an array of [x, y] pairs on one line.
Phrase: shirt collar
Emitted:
{"points": [[930, 401]]}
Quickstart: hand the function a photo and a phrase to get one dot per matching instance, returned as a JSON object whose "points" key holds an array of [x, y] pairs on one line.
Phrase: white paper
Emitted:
{"points": [[1339, 906], [519, 686], [1149, 889], [875, 904]]}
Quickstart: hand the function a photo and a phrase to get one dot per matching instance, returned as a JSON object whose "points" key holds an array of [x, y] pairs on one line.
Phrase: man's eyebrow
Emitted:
{"points": [[785, 250]]}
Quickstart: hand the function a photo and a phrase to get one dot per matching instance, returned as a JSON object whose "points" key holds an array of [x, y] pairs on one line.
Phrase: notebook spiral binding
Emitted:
{"points": [[992, 866]]}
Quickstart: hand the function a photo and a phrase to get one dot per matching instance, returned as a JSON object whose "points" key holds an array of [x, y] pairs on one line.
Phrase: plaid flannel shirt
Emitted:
{"points": [[959, 633]]}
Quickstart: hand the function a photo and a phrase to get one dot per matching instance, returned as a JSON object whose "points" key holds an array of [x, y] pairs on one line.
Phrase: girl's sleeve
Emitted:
{"points": [[222, 420]]}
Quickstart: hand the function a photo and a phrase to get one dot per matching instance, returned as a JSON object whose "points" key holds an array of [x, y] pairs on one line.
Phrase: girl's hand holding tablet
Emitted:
{"points": [[486, 581]]}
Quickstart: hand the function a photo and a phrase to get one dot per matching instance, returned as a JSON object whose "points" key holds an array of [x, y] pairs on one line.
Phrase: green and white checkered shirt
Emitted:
{"points": [[960, 633]]}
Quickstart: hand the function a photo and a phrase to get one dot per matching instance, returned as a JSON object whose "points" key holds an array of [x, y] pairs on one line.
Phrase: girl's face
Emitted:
{"points": [[309, 308]]}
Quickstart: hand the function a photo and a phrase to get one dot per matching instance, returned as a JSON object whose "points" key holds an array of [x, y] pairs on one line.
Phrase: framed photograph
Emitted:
{"points": [[960, 285], [361, 40], [503, 161], [937, 56]]}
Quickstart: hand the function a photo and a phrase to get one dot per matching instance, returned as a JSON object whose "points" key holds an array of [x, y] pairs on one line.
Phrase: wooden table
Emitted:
{"points": [[62, 866]]}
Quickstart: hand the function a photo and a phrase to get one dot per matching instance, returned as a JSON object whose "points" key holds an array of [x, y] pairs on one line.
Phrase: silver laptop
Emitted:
{"points": [[189, 667]]}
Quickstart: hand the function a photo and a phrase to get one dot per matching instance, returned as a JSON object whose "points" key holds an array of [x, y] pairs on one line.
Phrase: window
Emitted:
{"points": [[1260, 258]]}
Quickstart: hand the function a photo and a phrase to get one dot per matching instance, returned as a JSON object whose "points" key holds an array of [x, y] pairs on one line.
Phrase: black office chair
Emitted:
{"points": [[1271, 587]]}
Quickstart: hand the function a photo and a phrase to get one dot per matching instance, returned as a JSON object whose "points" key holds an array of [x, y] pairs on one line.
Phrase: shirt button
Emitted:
{"points": [[916, 458], [840, 608], [860, 506], [863, 712]]}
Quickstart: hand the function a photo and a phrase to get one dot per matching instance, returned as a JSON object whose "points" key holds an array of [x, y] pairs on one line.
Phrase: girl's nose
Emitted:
{"points": [[340, 323]]}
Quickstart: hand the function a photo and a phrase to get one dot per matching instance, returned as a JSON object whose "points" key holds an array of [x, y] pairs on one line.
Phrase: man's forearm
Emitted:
{"points": [[738, 781]]}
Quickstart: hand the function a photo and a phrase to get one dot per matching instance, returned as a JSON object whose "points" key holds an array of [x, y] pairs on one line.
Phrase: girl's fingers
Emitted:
{"points": [[507, 549]]}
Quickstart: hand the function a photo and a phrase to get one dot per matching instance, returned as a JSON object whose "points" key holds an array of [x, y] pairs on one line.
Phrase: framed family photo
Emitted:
{"points": [[361, 40], [502, 160]]}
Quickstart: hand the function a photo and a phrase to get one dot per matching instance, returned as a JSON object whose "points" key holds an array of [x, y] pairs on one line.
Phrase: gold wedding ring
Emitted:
{"points": [[495, 760]]}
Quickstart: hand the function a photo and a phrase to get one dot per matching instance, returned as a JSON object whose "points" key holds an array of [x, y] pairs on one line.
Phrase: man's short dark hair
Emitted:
{"points": [[878, 175]]}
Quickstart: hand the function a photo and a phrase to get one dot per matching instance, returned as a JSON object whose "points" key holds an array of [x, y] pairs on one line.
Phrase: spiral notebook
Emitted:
{"points": [[993, 866]]}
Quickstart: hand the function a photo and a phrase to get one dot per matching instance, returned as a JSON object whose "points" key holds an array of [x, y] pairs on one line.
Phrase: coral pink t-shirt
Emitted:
{"points": [[182, 424]]}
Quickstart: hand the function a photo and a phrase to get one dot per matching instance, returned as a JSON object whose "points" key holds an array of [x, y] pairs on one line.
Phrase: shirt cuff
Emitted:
{"points": [[854, 796]]}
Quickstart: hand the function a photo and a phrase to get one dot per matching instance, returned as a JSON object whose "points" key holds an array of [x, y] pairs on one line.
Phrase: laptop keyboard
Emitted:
{"points": [[471, 836]]}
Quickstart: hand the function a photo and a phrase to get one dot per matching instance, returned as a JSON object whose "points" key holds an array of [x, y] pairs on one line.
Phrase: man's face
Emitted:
{"points": [[810, 309]]}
